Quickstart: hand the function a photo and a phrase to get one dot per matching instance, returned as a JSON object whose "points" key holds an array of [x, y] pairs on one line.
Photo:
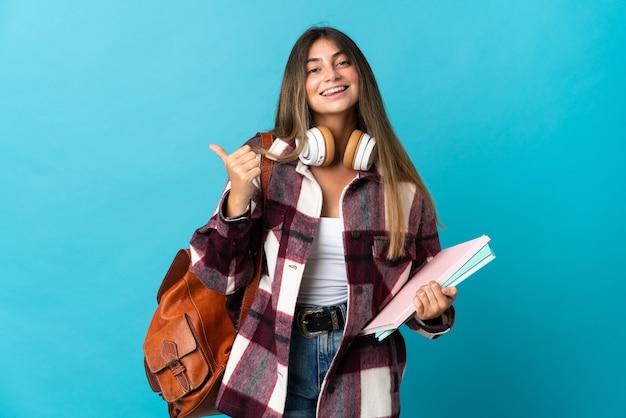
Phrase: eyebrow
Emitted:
{"points": [[335, 55]]}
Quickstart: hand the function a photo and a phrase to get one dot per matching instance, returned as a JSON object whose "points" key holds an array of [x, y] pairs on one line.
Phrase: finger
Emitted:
{"points": [[244, 169], [219, 151], [249, 161], [251, 174], [419, 306], [450, 293], [422, 303], [244, 157], [430, 290], [433, 300], [243, 153], [440, 301]]}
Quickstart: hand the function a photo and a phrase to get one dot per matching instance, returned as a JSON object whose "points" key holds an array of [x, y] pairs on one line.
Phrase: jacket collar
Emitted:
{"points": [[282, 147]]}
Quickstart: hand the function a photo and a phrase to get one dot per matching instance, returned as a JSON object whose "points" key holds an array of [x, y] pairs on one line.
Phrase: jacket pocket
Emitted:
{"points": [[380, 249]]}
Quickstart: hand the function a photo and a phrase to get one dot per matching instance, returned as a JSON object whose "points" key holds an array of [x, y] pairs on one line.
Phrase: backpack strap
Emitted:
{"points": [[266, 172]]}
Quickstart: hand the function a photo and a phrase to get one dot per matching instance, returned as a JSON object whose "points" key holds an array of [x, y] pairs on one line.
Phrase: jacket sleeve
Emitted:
{"points": [[223, 251], [433, 328]]}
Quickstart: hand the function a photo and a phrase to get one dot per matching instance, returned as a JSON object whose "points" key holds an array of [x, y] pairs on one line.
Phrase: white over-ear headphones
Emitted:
{"points": [[319, 149]]}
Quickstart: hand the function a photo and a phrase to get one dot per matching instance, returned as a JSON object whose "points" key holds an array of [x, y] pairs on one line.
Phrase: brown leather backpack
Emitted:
{"points": [[191, 333]]}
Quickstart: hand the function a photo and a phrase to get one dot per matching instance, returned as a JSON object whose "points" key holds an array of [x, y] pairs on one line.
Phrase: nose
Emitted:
{"points": [[333, 73]]}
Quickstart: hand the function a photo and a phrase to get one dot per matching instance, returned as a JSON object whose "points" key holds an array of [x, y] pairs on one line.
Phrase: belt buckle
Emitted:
{"points": [[302, 323]]}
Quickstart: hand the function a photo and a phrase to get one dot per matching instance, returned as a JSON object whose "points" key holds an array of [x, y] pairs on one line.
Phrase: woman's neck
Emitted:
{"points": [[341, 126]]}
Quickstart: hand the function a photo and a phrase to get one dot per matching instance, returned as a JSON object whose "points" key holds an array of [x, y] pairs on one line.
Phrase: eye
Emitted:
{"points": [[312, 70], [343, 61]]}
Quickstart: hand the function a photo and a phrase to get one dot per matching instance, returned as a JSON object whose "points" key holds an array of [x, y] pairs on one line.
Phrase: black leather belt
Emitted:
{"points": [[317, 321]]}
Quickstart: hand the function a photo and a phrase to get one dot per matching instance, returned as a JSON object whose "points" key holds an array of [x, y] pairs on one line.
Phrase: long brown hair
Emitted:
{"points": [[294, 118]]}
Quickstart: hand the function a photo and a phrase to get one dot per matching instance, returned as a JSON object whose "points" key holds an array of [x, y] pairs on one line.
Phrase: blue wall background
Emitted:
{"points": [[514, 113]]}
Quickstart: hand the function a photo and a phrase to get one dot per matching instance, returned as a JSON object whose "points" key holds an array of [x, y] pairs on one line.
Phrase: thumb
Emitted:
{"points": [[449, 292], [219, 151]]}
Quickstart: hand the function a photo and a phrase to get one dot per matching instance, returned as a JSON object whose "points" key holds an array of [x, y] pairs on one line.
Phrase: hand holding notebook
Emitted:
{"points": [[448, 268]]}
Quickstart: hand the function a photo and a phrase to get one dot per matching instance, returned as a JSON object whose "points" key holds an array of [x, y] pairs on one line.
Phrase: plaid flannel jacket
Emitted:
{"points": [[364, 378]]}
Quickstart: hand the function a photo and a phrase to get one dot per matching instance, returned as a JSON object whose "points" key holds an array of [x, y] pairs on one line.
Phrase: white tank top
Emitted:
{"points": [[325, 282]]}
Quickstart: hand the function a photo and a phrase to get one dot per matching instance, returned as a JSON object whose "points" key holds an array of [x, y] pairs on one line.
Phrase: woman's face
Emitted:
{"points": [[332, 83]]}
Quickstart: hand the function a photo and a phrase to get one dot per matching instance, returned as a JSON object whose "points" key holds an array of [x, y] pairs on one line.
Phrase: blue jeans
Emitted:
{"points": [[309, 360]]}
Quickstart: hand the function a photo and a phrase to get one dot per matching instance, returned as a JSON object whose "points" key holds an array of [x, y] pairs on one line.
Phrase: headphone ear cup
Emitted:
{"points": [[319, 148], [360, 151]]}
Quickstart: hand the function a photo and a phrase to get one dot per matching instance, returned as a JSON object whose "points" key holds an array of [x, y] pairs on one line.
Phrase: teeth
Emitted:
{"points": [[333, 90]]}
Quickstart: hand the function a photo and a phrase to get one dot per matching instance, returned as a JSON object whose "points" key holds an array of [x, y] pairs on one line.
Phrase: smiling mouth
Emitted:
{"points": [[334, 90]]}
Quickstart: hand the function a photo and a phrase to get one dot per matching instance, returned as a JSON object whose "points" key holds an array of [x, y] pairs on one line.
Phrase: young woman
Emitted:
{"points": [[338, 243]]}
